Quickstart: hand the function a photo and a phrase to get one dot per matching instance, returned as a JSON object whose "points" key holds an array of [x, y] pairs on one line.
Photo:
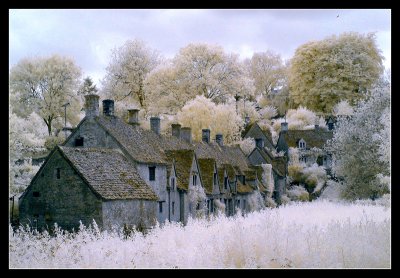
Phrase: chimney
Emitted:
{"points": [[133, 117], [155, 124], [186, 134], [108, 107], [219, 138], [284, 127], [176, 130], [205, 135], [92, 105]]}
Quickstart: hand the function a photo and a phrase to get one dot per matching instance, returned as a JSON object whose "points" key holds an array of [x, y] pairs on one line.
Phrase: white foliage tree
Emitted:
{"points": [[126, 73], [343, 108], [201, 113], [361, 148]]}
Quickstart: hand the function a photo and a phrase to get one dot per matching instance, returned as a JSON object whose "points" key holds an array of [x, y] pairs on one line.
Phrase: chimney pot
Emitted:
{"points": [[133, 117], [176, 130], [108, 107], [205, 135], [155, 124], [186, 134], [219, 138], [92, 105]]}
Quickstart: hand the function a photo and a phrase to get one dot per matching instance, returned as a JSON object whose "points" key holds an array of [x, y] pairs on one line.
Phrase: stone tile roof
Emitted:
{"points": [[183, 163], [253, 129], [108, 173], [141, 144], [313, 138], [206, 166]]}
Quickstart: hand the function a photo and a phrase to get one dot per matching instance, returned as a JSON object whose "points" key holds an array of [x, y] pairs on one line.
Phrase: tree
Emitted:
{"points": [[43, 85], [26, 138], [87, 87], [207, 70], [267, 70], [128, 68], [361, 147], [323, 73], [201, 113]]}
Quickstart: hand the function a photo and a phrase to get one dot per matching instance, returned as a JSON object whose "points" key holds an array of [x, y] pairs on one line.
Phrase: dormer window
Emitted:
{"points": [[259, 143], [302, 144], [215, 178]]}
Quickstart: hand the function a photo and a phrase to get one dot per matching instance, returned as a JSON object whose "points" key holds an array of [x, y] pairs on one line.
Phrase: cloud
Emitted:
{"points": [[89, 35]]}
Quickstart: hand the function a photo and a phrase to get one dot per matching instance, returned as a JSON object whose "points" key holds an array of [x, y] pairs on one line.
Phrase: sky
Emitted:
{"points": [[88, 36]]}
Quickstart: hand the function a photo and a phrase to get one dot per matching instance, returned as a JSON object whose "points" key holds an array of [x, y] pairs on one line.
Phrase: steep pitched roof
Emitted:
{"points": [[313, 138], [141, 144], [108, 173], [206, 166], [254, 129], [183, 163]]}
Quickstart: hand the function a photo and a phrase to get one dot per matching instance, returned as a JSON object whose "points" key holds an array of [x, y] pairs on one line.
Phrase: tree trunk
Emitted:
{"points": [[48, 124]]}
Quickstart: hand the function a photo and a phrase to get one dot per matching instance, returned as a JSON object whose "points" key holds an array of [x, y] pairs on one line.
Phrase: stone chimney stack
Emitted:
{"points": [[186, 134], [155, 124], [108, 107], [284, 127], [205, 135], [176, 130], [92, 105], [133, 117], [219, 138]]}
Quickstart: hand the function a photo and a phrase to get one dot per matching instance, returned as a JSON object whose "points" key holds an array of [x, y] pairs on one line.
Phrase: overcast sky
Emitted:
{"points": [[89, 35]]}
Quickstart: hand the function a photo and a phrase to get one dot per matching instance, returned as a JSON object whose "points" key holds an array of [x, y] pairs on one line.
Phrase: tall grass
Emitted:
{"points": [[319, 234]]}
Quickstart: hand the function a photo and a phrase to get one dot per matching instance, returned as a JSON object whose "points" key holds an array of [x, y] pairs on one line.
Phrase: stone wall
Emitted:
{"points": [[64, 201], [138, 213], [159, 186]]}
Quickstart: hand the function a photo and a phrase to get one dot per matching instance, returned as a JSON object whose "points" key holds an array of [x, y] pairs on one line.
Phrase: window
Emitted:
{"points": [[244, 204], [36, 194], [173, 208], [194, 179], [152, 173], [212, 205], [79, 142], [160, 207], [208, 206], [58, 173], [302, 144], [303, 159], [259, 143], [238, 203], [198, 206], [173, 183], [215, 178], [226, 183]]}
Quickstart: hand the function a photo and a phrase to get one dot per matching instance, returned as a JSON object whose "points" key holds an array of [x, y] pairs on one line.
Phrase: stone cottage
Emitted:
{"points": [[117, 173], [309, 143], [262, 155], [85, 184]]}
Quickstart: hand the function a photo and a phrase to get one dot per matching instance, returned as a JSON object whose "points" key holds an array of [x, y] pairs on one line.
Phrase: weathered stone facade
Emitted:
{"points": [[65, 200]]}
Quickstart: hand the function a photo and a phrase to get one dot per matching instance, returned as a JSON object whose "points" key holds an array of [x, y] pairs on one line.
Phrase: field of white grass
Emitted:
{"points": [[319, 234]]}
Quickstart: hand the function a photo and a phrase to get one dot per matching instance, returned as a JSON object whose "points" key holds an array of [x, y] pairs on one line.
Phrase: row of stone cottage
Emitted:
{"points": [[118, 173]]}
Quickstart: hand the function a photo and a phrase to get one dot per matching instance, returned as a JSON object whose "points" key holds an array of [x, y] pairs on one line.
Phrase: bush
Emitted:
{"points": [[295, 172]]}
